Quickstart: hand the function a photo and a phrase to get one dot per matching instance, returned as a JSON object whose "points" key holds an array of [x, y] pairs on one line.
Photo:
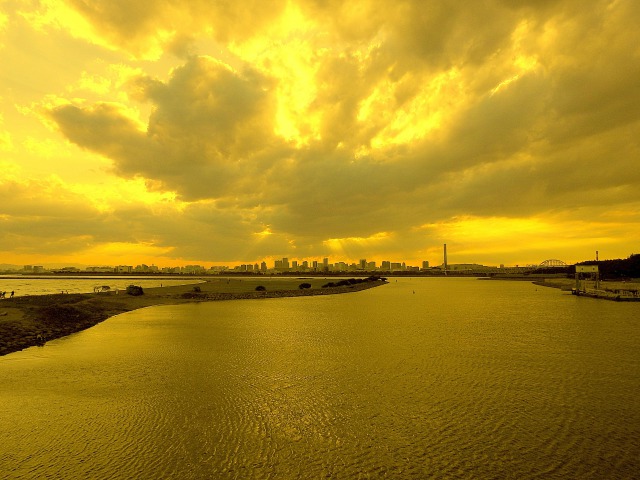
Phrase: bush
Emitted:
{"points": [[302, 286], [261, 288], [329, 285], [197, 289], [135, 290]]}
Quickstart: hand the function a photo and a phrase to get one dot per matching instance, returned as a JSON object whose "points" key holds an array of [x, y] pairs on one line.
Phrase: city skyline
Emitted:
{"points": [[285, 264], [215, 133]]}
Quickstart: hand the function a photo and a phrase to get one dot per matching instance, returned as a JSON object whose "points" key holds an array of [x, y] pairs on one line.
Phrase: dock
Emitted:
{"points": [[616, 295]]}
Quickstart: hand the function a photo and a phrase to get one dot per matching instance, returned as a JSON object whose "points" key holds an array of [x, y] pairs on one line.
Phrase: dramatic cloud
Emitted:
{"points": [[330, 128]]}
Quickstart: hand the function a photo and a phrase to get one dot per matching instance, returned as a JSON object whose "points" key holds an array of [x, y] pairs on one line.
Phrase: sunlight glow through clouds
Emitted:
{"points": [[288, 55], [238, 131], [346, 248], [60, 16]]}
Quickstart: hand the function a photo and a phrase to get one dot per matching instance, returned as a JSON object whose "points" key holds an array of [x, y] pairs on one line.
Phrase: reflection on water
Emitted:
{"points": [[463, 379]]}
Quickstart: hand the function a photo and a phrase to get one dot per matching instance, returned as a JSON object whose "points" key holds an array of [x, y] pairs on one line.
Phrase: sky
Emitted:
{"points": [[167, 132]]}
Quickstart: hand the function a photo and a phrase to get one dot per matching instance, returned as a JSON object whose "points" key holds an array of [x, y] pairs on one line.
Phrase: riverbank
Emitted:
{"points": [[33, 320], [619, 291], [607, 290]]}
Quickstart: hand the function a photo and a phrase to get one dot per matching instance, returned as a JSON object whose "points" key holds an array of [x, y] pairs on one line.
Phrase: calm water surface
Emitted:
{"points": [[29, 285], [461, 379]]}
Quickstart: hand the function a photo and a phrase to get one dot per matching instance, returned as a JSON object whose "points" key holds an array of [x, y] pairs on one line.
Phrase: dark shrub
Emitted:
{"points": [[302, 286], [261, 288], [193, 295], [197, 289], [329, 285], [135, 290]]}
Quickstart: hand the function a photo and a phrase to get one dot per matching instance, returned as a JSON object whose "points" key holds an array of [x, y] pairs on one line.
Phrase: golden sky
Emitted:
{"points": [[216, 132]]}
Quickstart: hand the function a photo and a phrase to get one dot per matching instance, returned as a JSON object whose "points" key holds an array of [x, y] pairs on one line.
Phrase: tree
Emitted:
{"points": [[135, 290]]}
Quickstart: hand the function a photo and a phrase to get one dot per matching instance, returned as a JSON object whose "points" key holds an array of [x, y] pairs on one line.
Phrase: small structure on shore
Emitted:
{"points": [[583, 271], [591, 271]]}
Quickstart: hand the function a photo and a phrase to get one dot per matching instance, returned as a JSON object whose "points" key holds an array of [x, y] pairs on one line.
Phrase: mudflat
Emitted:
{"points": [[34, 320]]}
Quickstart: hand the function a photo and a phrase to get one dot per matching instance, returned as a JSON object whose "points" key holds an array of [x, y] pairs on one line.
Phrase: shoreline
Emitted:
{"points": [[33, 320], [612, 290]]}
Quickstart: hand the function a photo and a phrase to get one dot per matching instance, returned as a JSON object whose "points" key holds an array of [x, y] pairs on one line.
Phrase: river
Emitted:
{"points": [[420, 378], [47, 285]]}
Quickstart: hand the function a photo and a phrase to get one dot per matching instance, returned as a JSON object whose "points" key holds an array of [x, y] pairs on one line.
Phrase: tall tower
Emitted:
{"points": [[445, 258], [596, 255]]}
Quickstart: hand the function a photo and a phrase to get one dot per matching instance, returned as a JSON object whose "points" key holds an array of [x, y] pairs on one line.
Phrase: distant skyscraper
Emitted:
{"points": [[425, 265], [363, 263]]}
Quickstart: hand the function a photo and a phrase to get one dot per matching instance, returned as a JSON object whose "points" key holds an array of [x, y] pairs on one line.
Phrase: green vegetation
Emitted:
{"points": [[353, 281], [302, 286], [135, 290], [619, 268], [261, 288]]}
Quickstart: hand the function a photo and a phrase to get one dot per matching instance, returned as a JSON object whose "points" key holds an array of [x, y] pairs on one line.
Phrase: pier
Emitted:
{"points": [[617, 295]]}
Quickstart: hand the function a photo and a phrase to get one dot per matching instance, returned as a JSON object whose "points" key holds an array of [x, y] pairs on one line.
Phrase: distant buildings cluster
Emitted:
{"points": [[284, 266]]}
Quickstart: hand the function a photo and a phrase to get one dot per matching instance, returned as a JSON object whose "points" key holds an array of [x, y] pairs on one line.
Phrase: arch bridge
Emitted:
{"points": [[552, 263]]}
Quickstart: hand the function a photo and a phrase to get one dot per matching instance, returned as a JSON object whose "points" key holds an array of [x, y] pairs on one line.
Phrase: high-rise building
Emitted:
{"points": [[425, 265], [363, 264]]}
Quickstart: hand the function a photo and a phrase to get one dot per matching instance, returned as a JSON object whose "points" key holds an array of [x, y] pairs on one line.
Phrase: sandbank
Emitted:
{"points": [[33, 320]]}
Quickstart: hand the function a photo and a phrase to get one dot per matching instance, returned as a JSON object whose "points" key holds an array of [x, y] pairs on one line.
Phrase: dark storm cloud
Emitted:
{"points": [[537, 105], [206, 137]]}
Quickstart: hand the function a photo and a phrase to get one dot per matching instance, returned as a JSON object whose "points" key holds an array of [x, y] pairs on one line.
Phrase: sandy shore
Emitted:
{"points": [[33, 320]]}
